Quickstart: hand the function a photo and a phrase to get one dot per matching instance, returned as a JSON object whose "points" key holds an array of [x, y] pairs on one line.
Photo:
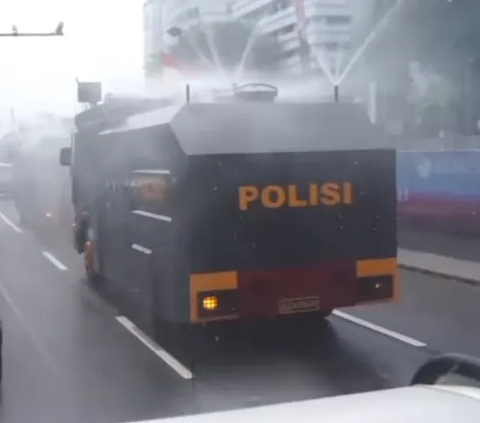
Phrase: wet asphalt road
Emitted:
{"points": [[68, 359], [456, 246]]}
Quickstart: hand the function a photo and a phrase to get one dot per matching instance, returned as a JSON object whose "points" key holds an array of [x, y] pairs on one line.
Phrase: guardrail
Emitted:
{"points": [[440, 190]]}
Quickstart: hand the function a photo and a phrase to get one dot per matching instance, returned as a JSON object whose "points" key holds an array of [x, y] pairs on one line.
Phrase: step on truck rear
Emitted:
{"points": [[210, 212]]}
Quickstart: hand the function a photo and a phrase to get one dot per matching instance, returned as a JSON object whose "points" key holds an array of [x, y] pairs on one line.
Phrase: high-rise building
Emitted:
{"points": [[309, 31], [178, 13], [162, 15], [325, 26], [153, 35]]}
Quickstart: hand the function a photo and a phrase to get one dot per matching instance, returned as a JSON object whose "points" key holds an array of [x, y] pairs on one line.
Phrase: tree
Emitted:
{"points": [[448, 42], [441, 36], [226, 42]]}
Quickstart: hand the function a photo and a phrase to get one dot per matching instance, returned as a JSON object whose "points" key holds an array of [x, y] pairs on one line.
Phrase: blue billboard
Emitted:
{"points": [[440, 187]]}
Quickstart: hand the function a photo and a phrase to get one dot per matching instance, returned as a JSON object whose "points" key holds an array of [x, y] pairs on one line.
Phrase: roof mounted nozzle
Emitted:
{"points": [[336, 92], [255, 92]]}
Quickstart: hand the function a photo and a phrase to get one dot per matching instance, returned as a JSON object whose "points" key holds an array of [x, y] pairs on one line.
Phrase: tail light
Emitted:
{"points": [[375, 287], [217, 303]]}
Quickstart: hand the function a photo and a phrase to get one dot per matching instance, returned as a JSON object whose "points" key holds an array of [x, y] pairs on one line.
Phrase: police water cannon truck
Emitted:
{"points": [[244, 209]]}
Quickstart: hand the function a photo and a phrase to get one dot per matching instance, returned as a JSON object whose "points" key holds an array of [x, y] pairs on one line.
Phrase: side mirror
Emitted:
{"points": [[66, 156]]}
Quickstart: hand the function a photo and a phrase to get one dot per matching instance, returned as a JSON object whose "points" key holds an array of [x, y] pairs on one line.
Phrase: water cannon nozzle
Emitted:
{"points": [[336, 92]]}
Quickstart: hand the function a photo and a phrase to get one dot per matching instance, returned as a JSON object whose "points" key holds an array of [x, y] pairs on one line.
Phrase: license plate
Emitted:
{"points": [[298, 305]]}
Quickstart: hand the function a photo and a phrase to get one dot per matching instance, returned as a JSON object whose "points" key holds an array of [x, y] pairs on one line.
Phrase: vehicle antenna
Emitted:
{"points": [[187, 93]]}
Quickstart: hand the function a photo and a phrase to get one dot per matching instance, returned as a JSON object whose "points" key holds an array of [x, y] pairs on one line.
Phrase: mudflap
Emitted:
{"points": [[91, 257], [89, 263], [80, 236]]}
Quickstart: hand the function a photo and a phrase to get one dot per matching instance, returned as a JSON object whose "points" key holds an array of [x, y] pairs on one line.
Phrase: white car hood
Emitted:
{"points": [[422, 404], [468, 391]]}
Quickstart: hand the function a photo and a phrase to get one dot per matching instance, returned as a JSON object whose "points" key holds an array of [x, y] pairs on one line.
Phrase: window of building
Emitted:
{"points": [[266, 10], [286, 29], [335, 46], [338, 20], [279, 5], [332, 20], [192, 13], [288, 54]]}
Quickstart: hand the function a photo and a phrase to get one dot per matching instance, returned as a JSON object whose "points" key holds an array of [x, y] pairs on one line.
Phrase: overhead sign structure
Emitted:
{"points": [[58, 32]]}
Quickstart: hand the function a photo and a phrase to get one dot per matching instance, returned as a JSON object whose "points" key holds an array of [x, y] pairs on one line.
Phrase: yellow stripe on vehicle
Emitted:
{"points": [[380, 267], [200, 282]]}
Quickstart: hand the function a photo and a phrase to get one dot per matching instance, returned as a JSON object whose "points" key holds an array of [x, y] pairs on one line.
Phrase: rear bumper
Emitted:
{"points": [[283, 292]]}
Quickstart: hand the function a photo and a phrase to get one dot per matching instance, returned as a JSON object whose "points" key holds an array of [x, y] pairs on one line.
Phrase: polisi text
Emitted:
{"points": [[276, 196]]}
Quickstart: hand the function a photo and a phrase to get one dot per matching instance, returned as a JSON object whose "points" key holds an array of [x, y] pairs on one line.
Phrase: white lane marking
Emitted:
{"points": [[36, 341], [153, 171], [152, 215], [406, 339], [56, 262], [141, 249], [155, 348], [10, 223]]}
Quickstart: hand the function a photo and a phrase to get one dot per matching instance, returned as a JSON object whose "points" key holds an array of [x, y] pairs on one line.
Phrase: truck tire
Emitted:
{"points": [[93, 276], [80, 236], [326, 313]]}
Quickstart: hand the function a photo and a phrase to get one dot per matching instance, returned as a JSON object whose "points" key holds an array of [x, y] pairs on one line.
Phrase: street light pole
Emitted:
{"points": [[30, 34], [58, 32]]}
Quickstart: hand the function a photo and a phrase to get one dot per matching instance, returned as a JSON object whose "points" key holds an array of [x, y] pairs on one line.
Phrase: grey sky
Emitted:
{"points": [[103, 41]]}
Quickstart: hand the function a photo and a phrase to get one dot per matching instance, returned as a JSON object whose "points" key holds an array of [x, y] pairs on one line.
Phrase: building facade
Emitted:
{"points": [[153, 35], [162, 15], [186, 13], [330, 28], [326, 26]]}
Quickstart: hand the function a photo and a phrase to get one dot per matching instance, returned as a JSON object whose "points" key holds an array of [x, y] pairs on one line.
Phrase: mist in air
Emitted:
{"points": [[102, 42]]}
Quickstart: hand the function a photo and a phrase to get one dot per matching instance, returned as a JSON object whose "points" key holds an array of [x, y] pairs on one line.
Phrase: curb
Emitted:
{"points": [[464, 280]]}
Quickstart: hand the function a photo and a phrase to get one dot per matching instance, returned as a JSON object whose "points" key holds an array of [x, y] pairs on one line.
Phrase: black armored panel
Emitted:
{"points": [[256, 127], [266, 127], [114, 111], [240, 186], [271, 182], [241, 171]]}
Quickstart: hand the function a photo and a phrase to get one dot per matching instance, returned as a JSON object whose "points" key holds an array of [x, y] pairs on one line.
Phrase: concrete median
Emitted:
{"points": [[453, 257]]}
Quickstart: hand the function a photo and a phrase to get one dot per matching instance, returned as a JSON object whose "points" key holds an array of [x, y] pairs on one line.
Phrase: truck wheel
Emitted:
{"points": [[311, 321], [326, 313], [89, 264], [79, 238]]}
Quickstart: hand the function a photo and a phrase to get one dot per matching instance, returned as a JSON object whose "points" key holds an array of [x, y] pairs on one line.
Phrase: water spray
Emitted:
{"points": [[238, 74], [177, 32], [379, 27], [209, 37]]}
